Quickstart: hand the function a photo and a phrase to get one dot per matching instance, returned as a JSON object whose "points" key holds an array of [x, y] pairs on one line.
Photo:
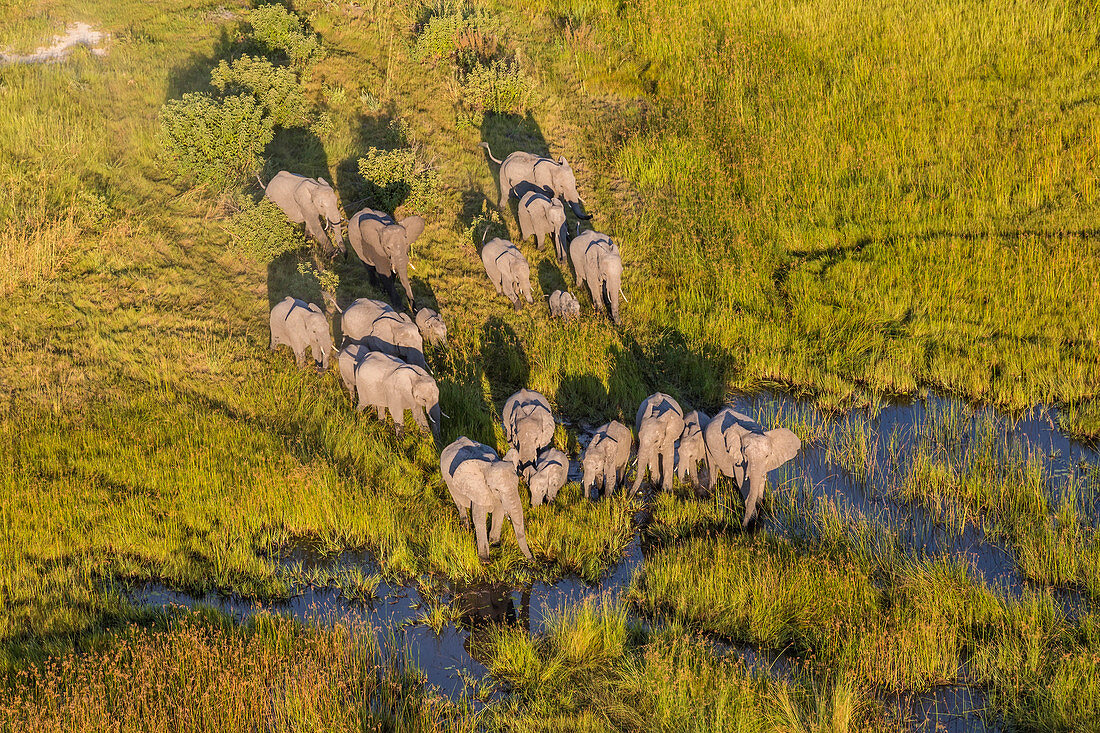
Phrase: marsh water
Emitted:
{"points": [[854, 462]]}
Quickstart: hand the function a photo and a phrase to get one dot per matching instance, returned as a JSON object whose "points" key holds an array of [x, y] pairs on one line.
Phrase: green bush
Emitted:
{"points": [[395, 177], [261, 231], [275, 87], [281, 30], [499, 87], [437, 37], [214, 141]]}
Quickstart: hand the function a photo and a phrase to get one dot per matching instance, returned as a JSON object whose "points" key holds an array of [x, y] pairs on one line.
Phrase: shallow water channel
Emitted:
{"points": [[852, 461]]}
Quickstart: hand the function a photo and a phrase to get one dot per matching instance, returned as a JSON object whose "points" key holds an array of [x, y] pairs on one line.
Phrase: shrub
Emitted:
{"points": [[437, 38], [262, 233], [214, 141], [394, 177], [499, 87], [458, 32], [281, 30], [275, 87]]}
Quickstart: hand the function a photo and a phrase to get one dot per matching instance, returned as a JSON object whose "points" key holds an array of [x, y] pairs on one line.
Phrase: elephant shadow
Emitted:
{"points": [[505, 361], [551, 275], [584, 398], [493, 604], [461, 397], [283, 279]]}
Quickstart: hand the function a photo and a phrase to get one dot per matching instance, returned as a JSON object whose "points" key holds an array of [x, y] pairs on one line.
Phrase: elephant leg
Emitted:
{"points": [[498, 524], [481, 515], [463, 506], [596, 289], [666, 459], [505, 189], [381, 410], [397, 412], [421, 419], [540, 240], [318, 233], [300, 357]]}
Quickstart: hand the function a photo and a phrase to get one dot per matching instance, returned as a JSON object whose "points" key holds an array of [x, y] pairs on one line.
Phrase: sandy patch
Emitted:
{"points": [[78, 34]]}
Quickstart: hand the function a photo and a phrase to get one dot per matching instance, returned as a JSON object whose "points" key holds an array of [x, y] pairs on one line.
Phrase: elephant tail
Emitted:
{"points": [[490, 152], [259, 181]]}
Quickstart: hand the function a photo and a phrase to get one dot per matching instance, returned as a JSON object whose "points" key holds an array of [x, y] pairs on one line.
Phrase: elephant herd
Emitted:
{"points": [[382, 363]]}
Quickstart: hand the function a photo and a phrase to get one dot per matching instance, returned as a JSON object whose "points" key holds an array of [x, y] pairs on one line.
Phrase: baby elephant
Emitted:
{"points": [[660, 423], [508, 269], [528, 424], [432, 328], [693, 447], [564, 304], [546, 477], [301, 325], [606, 458], [479, 481], [386, 383]]}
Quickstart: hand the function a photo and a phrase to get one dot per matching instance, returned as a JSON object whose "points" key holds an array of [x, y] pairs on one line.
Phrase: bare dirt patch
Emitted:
{"points": [[77, 34]]}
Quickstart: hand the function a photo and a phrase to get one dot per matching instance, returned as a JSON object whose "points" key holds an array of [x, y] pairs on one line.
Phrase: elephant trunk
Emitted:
{"points": [[433, 419], [754, 491], [337, 235], [614, 288], [578, 210], [513, 507]]}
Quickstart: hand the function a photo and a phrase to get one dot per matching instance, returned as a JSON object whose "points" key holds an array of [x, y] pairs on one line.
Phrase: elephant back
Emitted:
{"points": [[460, 451]]}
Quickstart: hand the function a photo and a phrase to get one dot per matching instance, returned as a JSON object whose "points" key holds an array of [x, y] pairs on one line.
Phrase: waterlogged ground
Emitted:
{"points": [[916, 480]]}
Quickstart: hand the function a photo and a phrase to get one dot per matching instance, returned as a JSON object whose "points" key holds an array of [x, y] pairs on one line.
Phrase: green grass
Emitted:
{"points": [[845, 204]]}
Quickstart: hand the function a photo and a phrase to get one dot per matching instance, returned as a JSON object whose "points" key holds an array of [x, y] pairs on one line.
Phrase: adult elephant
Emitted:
{"points": [[541, 217], [301, 325], [307, 201], [538, 173], [383, 245], [479, 481], [508, 269], [386, 383], [381, 328], [596, 261], [660, 422], [738, 446], [528, 424]]}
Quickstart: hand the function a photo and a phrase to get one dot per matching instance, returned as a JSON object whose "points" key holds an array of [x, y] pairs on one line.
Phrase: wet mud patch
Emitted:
{"points": [[75, 36]]}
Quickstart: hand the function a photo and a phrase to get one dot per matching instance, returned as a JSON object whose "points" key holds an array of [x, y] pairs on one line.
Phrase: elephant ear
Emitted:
{"points": [[315, 308], [562, 161], [414, 227], [784, 446], [323, 182]]}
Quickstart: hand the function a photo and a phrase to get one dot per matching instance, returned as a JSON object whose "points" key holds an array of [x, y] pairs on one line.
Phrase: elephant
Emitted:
{"points": [[692, 447], [508, 269], [596, 261], [305, 201], [551, 473], [528, 424], [606, 458], [738, 446], [660, 422], [432, 328], [539, 217], [385, 382], [477, 479], [381, 328], [564, 304], [348, 361], [538, 173], [383, 245], [301, 325]]}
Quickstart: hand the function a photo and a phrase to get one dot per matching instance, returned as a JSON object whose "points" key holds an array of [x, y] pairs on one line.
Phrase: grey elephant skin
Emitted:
{"points": [[738, 446], [564, 304], [660, 423], [387, 383], [606, 458], [693, 447], [432, 328], [348, 361], [597, 262], [528, 424], [541, 217], [480, 482], [384, 244], [508, 269], [301, 325], [527, 171], [546, 476], [306, 201], [381, 328]]}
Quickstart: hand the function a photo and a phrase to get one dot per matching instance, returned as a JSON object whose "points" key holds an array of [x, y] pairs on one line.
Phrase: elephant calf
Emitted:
{"points": [[301, 325], [660, 422], [738, 446], [545, 476], [508, 269], [693, 447], [387, 383], [564, 304], [381, 328], [596, 261], [432, 328], [479, 481], [540, 217], [606, 458], [528, 424]]}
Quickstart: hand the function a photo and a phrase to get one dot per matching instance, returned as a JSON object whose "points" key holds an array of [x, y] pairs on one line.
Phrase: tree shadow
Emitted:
{"points": [[356, 192], [505, 361], [298, 150], [283, 279], [194, 74]]}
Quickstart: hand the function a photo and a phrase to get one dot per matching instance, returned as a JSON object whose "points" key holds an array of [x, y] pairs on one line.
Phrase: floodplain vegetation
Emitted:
{"points": [[843, 204]]}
